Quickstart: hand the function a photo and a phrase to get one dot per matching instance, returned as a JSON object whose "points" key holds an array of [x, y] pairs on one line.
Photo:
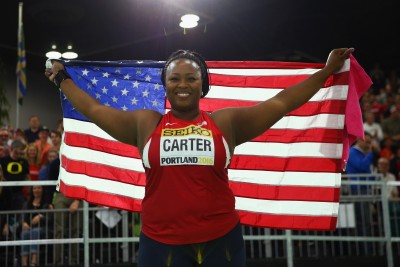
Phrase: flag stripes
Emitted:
{"points": [[288, 177]]}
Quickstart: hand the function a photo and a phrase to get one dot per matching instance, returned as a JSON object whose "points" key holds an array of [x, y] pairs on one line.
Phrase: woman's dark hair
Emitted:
{"points": [[196, 57]]}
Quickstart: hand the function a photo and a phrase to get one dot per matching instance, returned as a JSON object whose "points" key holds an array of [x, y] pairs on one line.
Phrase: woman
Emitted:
{"points": [[33, 157], [188, 212], [33, 225]]}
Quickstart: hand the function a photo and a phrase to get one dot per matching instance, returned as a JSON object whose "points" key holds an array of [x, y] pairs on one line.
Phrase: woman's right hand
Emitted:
{"points": [[55, 68]]}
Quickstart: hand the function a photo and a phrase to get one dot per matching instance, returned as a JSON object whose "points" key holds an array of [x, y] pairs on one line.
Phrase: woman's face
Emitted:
{"points": [[32, 152], [183, 84], [37, 191]]}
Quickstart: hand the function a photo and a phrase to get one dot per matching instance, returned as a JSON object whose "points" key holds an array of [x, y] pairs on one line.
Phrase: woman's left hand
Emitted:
{"points": [[336, 58]]}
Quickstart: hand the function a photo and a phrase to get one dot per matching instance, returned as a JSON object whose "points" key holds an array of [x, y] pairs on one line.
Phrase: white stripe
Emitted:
{"points": [[88, 155], [317, 179], [263, 72], [337, 92], [301, 149], [326, 121], [101, 185], [287, 207], [345, 67], [85, 127]]}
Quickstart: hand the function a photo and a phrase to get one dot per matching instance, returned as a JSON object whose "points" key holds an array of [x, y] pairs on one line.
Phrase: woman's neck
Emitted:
{"points": [[186, 115]]}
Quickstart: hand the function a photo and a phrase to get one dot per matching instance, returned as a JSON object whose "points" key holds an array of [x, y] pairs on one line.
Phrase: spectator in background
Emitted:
{"points": [[32, 133], [392, 194], [5, 142], [55, 137], [33, 224], [33, 157], [361, 157], [383, 168], [5, 204], [65, 222], [44, 175], [60, 125], [372, 127], [43, 144], [387, 148], [16, 168], [3, 151], [19, 135], [391, 125]]}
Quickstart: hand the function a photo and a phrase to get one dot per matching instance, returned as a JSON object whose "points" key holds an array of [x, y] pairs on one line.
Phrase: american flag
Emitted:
{"points": [[289, 177]]}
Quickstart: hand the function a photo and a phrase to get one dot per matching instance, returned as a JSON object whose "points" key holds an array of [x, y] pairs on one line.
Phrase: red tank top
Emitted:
{"points": [[188, 199]]}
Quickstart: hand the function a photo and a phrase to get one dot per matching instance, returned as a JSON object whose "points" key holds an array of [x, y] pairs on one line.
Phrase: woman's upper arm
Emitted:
{"points": [[129, 127], [245, 123]]}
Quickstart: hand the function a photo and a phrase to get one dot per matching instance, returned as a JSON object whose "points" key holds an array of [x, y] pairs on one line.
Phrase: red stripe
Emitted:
{"points": [[300, 193], [103, 171], [308, 109], [288, 221], [278, 81], [285, 164], [101, 198], [262, 65], [100, 144], [309, 135], [255, 81]]}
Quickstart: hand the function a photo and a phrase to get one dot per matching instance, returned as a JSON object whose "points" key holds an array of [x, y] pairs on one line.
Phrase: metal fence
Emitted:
{"points": [[368, 225]]}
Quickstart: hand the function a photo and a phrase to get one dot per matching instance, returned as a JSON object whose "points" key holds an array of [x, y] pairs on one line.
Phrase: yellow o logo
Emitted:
{"points": [[11, 165]]}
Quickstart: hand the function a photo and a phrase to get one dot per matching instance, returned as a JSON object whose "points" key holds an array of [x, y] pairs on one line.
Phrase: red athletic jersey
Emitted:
{"points": [[188, 199]]}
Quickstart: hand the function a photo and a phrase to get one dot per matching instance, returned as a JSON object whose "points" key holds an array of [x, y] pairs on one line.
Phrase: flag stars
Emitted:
{"points": [[114, 99], [106, 104], [94, 81], [157, 86], [115, 82], [85, 72], [124, 92], [104, 90], [124, 108], [98, 96], [148, 78], [127, 77], [118, 70], [106, 74], [155, 103], [89, 86], [134, 101], [146, 93], [139, 72], [135, 84]]}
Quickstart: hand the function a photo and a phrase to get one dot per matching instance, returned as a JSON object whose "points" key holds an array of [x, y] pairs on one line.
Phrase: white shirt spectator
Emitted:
{"points": [[372, 127]]}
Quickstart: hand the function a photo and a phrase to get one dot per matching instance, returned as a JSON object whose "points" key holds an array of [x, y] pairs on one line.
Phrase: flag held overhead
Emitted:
{"points": [[289, 177]]}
